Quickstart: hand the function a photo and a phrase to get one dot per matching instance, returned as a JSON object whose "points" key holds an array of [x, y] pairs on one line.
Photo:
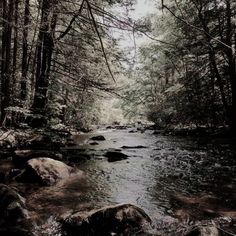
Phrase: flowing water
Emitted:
{"points": [[166, 177]]}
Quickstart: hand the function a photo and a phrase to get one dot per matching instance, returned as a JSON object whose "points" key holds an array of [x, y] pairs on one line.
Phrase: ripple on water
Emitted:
{"points": [[149, 178]]}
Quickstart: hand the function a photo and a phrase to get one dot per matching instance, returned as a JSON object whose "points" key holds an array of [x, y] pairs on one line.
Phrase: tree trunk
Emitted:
{"points": [[15, 49], [8, 7], [232, 68], [23, 84], [44, 56]]}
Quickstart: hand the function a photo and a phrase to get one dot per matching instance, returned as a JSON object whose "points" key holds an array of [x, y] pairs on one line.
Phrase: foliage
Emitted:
{"points": [[187, 75]]}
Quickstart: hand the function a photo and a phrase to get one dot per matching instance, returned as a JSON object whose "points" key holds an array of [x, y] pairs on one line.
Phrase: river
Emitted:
{"points": [[175, 180]]}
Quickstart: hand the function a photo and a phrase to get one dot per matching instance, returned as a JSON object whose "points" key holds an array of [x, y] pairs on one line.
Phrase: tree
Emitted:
{"points": [[198, 59]]}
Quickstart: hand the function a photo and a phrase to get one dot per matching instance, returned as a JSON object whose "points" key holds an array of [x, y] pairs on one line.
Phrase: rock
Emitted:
{"points": [[98, 138], [141, 129], [70, 143], [113, 156], [121, 127], [133, 147], [8, 139], [123, 220], [133, 131], [204, 231], [20, 157], [94, 143], [45, 171], [12, 206], [156, 132]]}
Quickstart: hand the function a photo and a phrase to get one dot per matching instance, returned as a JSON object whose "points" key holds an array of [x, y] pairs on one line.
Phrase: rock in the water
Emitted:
{"points": [[113, 156], [157, 132], [12, 206], [45, 171], [132, 131], [94, 143], [98, 138], [123, 220], [134, 147]]}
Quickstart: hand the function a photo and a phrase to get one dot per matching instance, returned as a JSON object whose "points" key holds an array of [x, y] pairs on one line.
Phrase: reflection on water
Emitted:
{"points": [[150, 178]]}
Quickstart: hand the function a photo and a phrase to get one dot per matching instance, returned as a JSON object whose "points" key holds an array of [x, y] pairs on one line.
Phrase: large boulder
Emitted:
{"points": [[113, 156], [45, 171], [12, 206], [122, 220]]}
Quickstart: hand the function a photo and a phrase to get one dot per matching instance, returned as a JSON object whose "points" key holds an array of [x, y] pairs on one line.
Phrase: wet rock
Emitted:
{"points": [[121, 127], [123, 220], [113, 156], [204, 231], [133, 131], [141, 129], [45, 171], [94, 143], [98, 138], [156, 132], [8, 140], [133, 147], [70, 143], [12, 206], [20, 157]]}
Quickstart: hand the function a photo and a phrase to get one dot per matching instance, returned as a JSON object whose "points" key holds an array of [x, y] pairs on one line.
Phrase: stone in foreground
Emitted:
{"points": [[120, 220]]}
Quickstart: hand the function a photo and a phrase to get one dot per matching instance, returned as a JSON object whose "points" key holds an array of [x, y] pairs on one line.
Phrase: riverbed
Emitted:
{"points": [[178, 181]]}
